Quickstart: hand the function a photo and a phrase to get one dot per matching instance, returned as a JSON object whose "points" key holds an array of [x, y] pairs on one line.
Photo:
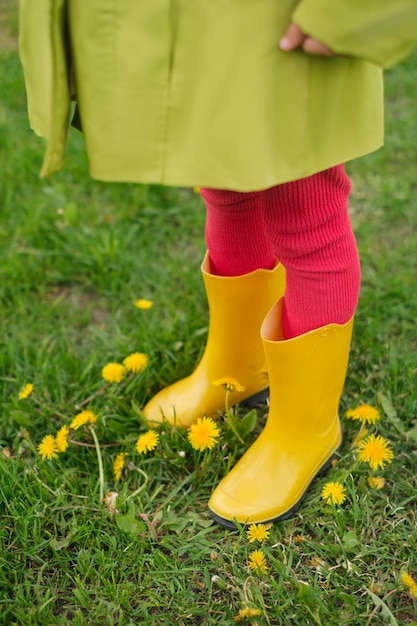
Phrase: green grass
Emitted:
{"points": [[74, 255]]}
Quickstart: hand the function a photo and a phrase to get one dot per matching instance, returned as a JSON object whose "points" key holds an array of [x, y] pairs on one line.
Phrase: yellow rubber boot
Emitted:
{"points": [[238, 305], [302, 432]]}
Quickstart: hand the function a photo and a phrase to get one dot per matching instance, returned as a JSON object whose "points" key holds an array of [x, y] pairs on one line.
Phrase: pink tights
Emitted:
{"points": [[305, 224]]}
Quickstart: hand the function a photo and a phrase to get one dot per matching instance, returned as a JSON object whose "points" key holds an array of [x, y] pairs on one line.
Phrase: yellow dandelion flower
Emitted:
{"points": [[258, 532], [407, 580], [118, 465], [48, 448], [143, 303], [376, 482], [26, 391], [257, 562], [196, 189], [246, 613], [229, 383], [203, 434], [136, 362], [147, 442], [61, 438], [85, 417], [375, 450], [113, 372], [410, 583], [364, 413], [334, 492]]}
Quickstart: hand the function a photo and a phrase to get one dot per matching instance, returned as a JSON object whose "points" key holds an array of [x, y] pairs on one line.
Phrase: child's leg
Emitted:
{"points": [[308, 225], [243, 281], [235, 233]]}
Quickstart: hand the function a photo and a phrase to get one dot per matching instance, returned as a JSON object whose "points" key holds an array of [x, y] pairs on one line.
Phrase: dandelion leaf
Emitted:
{"points": [[130, 525], [385, 612], [248, 423], [412, 433], [59, 544], [174, 522], [116, 426], [350, 541], [306, 595], [22, 418], [138, 411], [349, 600], [390, 411]]}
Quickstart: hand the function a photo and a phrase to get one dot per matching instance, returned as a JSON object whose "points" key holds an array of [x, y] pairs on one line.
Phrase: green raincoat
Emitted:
{"points": [[197, 93]]}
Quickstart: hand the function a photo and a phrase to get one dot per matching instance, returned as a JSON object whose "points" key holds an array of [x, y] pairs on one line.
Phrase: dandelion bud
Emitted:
{"points": [[220, 584]]}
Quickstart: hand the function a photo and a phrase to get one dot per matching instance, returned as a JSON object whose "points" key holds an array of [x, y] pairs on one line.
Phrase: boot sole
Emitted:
{"points": [[258, 399], [280, 518]]}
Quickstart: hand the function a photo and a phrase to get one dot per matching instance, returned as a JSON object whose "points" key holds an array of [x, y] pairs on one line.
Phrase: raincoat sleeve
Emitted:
{"points": [[381, 31], [44, 53]]}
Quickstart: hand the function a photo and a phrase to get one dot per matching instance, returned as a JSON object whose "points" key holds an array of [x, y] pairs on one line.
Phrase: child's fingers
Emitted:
{"points": [[295, 38], [312, 46], [292, 38]]}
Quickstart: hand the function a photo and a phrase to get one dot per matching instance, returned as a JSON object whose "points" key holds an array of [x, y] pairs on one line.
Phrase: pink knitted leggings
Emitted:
{"points": [[305, 224]]}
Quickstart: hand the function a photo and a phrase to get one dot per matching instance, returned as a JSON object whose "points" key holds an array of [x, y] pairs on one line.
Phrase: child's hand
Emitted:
{"points": [[295, 38]]}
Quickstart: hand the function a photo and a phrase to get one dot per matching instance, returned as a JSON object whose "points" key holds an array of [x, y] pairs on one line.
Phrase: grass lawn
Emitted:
{"points": [[75, 255]]}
